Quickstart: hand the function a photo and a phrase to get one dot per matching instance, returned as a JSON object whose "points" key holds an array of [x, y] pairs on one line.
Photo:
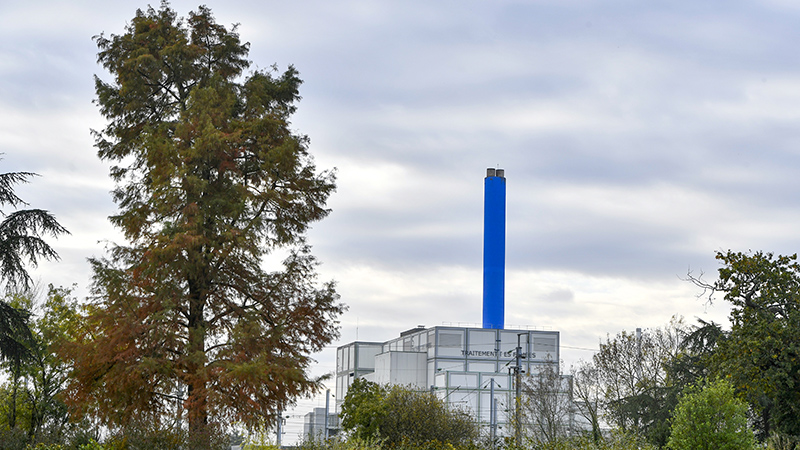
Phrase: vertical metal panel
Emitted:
{"points": [[494, 250]]}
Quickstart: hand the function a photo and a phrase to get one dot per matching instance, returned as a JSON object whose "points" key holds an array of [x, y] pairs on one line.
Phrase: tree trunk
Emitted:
{"points": [[197, 408], [12, 413]]}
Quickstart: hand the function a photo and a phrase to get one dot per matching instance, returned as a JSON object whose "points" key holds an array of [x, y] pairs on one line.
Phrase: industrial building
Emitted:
{"points": [[465, 366], [472, 368]]}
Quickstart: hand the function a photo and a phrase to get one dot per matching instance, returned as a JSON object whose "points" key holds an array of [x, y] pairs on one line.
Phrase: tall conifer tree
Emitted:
{"points": [[21, 242], [210, 179]]}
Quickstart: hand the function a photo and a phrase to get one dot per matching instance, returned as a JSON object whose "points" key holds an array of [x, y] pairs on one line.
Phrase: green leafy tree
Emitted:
{"points": [[711, 417], [33, 400], [399, 415], [46, 371], [364, 409], [210, 179], [760, 355], [21, 242]]}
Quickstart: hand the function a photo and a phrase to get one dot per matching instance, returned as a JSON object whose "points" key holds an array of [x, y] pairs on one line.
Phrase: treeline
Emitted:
{"points": [[635, 382]]}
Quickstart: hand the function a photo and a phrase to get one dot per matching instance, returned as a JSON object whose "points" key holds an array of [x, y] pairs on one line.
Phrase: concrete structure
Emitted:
{"points": [[459, 364]]}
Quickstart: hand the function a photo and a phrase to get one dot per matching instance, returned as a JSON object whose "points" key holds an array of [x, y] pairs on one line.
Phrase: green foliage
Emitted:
{"points": [[616, 440], [92, 445], [14, 333], [398, 415], [709, 416], [140, 438], [249, 446], [355, 443], [149, 434], [21, 234], [47, 372], [421, 417], [760, 355], [337, 443], [364, 409], [260, 438], [42, 446], [31, 400], [12, 438], [779, 441]]}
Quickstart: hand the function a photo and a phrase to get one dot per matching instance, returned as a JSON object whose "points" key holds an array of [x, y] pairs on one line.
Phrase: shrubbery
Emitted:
{"points": [[614, 441], [400, 416], [710, 417]]}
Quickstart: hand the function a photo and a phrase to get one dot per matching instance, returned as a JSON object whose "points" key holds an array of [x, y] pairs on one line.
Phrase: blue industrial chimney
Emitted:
{"points": [[494, 248]]}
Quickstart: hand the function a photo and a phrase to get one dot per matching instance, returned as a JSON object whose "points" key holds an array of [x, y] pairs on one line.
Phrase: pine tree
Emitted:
{"points": [[21, 242]]}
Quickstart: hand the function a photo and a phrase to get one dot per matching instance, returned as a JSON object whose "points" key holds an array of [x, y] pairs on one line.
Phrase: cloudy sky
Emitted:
{"points": [[638, 138]]}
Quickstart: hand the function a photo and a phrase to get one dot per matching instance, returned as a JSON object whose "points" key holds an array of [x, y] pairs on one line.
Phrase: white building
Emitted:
{"points": [[458, 364], [314, 424]]}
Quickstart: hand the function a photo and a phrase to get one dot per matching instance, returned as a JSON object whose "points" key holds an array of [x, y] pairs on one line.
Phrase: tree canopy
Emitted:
{"points": [[210, 178], [709, 416], [761, 353], [22, 233], [400, 415], [37, 382]]}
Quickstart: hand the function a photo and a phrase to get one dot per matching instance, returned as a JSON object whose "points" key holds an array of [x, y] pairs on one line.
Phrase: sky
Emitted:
{"points": [[637, 138]]}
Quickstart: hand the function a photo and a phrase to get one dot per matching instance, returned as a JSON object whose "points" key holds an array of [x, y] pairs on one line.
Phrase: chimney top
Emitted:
{"points": [[500, 173]]}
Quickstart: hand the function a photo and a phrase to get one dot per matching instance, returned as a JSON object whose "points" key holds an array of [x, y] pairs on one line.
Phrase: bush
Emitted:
{"points": [[147, 436], [710, 417], [354, 443], [402, 417], [42, 446], [12, 439], [778, 441], [616, 440]]}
